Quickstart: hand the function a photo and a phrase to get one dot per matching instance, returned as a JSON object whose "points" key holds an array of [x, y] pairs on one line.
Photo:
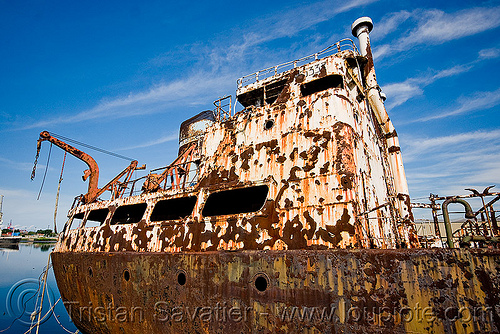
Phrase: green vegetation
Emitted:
{"points": [[47, 233]]}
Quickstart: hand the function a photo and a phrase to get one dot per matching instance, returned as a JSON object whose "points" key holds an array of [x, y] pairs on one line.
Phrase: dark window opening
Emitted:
{"points": [[235, 201], [172, 209], [330, 81], [252, 98], [273, 90], [77, 220], [96, 217], [268, 93], [129, 214]]}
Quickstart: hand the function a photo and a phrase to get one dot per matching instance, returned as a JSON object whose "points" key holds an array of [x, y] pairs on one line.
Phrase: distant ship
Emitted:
{"points": [[290, 216], [9, 242]]}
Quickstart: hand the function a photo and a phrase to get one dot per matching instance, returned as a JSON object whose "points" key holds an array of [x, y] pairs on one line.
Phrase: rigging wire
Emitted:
{"points": [[45, 173], [58, 190], [90, 146]]}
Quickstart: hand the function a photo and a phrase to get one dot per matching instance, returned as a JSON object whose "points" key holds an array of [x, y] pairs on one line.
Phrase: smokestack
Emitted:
{"points": [[361, 29]]}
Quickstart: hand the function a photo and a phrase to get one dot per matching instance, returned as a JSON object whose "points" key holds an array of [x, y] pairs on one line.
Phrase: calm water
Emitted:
{"points": [[20, 273]]}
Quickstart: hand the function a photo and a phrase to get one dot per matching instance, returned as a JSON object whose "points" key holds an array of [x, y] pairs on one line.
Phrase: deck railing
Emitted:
{"points": [[342, 45]]}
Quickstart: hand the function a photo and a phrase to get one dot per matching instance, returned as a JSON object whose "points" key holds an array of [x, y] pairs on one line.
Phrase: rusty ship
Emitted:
{"points": [[290, 216]]}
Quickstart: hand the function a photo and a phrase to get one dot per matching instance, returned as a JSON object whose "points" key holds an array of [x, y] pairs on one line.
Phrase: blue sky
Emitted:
{"points": [[122, 76]]}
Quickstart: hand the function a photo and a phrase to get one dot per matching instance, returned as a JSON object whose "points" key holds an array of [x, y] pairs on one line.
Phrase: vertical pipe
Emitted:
{"points": [[494, 222], [446, 216], [361, 29], [437, 232]]}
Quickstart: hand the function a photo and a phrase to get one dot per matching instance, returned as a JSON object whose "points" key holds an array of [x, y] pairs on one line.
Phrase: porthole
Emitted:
{"points": [[261, 282], [181, 278], [126, 275], [268, 124]]}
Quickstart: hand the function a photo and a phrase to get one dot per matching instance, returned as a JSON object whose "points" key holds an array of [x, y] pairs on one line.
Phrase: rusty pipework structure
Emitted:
{"points": [[468, 214], [480, 226], [295, 219]]}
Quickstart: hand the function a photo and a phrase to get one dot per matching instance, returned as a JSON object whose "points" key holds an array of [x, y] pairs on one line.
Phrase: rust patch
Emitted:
{"points": [[245, 156], [281, 159], [218, 176], [324, 169], [300, 78]]}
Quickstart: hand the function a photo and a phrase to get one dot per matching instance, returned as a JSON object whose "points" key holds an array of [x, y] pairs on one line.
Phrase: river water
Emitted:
{"points": [[21, 286]]}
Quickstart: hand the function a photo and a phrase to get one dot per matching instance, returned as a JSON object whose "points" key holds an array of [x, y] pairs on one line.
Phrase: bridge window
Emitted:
{"points": [[268, 93], [96, 217], [173, 209], [330, 81], [77, 220], [235, 201], [129, 214]]}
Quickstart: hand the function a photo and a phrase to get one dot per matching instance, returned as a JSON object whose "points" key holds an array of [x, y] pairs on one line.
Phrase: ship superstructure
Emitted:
{"points": [[298, 201]]}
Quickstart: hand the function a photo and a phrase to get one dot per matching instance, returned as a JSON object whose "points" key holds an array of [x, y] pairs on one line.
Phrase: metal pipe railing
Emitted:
{"points": [[342, 45]]}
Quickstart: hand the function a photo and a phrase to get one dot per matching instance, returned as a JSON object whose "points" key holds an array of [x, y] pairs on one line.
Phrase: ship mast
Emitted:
{"points": [[1, 214]]}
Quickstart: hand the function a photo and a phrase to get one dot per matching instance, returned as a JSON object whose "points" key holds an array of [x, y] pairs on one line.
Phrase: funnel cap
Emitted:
{"points": [[365, 20]]}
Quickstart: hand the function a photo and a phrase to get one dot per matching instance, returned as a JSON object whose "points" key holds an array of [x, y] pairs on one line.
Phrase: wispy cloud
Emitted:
{"points": [[478, 101], [157, 141], [419, 146], [452, 163], [287, 24], [280, 25], [437, 27], [399, 93], [195, 89], [22, 166], [389, 24], [209, 80], [490, 53]]}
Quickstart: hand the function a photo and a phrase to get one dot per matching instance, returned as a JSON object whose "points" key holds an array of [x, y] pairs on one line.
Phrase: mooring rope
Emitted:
{"points": [[38, 310], [43, 294]]}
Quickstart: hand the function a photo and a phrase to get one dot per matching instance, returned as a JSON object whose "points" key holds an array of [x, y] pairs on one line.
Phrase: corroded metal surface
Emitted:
{"points": [[321, 156], [320, 240], [356, 291]]}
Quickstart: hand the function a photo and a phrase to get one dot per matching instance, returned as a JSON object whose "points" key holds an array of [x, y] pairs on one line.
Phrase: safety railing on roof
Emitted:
{"points": [[342, 45], [222, 109]]}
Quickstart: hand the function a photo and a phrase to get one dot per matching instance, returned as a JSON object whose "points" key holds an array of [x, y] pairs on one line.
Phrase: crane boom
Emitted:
{"points": [[93, 172]]}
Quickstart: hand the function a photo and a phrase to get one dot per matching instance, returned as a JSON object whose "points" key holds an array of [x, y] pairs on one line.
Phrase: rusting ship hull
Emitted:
{"points": [[290, 216], [332, 291]]}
